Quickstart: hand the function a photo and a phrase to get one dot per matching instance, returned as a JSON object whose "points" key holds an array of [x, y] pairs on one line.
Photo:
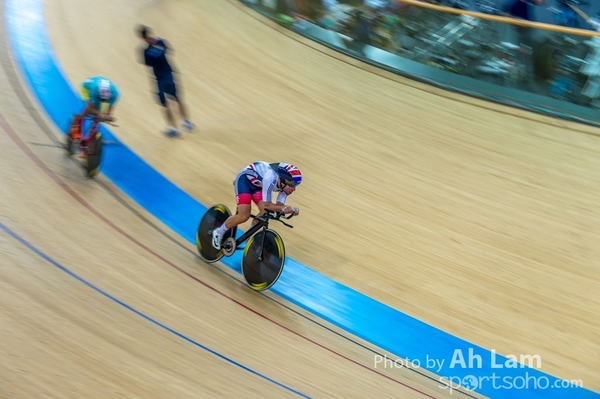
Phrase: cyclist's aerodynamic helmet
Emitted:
{"points": [[289, 174], [104, 89]]}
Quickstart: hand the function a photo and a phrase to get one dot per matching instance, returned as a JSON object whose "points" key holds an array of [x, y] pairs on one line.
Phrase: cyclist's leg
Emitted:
{"points": [[243, 193], [257, 198]]}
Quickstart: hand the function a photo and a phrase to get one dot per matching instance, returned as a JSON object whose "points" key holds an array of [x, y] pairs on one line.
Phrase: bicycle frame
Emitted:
{"points": [[263, 223], [93, 129]]}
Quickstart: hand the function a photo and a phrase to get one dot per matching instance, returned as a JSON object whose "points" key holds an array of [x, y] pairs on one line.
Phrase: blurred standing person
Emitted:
{"points": [[360, 31], [521, 9], [155, 56]]}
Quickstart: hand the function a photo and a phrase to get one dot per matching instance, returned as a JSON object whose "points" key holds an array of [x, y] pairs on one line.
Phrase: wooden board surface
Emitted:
{"points": [[480, 220], [114, 305]]}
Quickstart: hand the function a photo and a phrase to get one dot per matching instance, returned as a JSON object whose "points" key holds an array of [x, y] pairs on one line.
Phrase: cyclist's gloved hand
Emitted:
{"points": [[294, 211]]}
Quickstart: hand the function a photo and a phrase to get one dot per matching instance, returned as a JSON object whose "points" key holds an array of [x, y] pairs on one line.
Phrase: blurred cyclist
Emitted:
{"points": [[100, 96]]}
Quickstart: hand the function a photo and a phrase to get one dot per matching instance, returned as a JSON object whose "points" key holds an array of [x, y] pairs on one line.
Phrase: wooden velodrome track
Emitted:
{"points": [[478, 219]]}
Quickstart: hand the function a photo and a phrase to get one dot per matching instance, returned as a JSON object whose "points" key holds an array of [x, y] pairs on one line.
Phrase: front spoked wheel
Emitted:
{"points": [[263, 259]]}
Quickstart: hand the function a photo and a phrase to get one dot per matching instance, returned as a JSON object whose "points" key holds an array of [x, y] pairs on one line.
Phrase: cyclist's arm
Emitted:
{"points": [[269, 184], [107, 116], [281, 198], [111, 105], [278, 207], [91, 109]]}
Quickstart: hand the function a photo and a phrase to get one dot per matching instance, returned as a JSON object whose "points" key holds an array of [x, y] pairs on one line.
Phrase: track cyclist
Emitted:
{"points": [[100, 95], [256, 182]]}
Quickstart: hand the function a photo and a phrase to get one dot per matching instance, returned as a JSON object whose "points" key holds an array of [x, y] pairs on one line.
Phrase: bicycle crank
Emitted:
{"points": [[228, 246]]}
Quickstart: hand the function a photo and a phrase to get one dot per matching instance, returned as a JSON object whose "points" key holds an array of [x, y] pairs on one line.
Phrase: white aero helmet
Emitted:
{"points": [[104, 89]]}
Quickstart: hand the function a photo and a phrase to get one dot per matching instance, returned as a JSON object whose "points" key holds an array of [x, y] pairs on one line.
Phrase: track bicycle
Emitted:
{"points": [[91, 143], [263, 255]]}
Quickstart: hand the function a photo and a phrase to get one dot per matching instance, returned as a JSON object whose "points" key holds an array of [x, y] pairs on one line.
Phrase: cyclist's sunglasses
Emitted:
{"points": [[290, 183]]}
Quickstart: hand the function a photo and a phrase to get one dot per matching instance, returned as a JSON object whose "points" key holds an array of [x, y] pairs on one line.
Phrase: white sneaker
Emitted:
{"points": [[216, 239], [189, 126]]}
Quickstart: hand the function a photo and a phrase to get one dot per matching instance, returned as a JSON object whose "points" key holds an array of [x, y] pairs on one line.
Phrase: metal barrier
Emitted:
{"points": [[545, 68]]}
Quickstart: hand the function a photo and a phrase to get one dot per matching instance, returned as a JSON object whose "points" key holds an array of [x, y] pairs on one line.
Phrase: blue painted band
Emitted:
{"points": [[350, 310], [54, 263]]}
